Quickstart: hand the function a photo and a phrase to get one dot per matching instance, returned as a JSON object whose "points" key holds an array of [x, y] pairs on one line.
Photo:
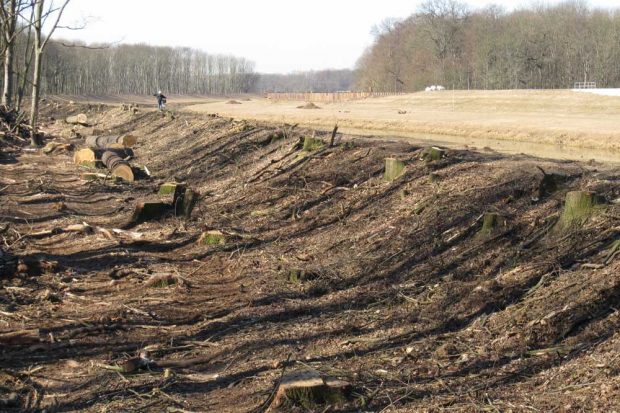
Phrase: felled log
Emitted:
{"points": [[393, 169], [110, 141], [20, 337], [94, 176], [80, 119], [308, 390], [57, 147], [117, 165]]}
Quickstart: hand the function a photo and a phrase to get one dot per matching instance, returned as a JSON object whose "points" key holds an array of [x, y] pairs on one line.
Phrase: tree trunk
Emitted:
{"points": [[9, 32], [36, 83]]}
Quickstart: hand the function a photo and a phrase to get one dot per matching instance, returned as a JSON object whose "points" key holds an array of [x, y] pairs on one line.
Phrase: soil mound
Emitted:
{"points": [[308, 105], [233, 102]]}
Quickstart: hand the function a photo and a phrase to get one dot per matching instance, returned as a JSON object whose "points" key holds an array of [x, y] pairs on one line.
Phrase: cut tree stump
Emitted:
{"points": [[149, 211], [490, 223], [578, 206], [185, 204], [393, 169], [80, 119], [212, 238], [432, 153], [308, 389], [550, 183], [312, 144], [117, 165]]}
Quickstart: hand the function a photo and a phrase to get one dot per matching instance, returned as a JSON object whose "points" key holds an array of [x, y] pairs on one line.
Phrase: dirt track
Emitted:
{"points": [[403, 297]]}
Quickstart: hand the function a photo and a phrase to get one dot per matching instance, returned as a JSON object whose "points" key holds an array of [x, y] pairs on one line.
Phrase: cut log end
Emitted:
{"points": [[124, 172], [393, 169], [80, 119]]}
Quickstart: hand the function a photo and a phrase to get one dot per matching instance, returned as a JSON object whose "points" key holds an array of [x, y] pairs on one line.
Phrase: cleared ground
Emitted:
{"points": [[397, 288]]}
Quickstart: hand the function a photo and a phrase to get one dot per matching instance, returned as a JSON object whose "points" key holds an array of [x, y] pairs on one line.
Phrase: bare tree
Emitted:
{"points": [[39, 47]]}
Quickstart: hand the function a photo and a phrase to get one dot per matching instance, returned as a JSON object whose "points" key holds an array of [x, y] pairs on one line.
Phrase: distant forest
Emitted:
{"points": [[446, 43], [443, 43]]}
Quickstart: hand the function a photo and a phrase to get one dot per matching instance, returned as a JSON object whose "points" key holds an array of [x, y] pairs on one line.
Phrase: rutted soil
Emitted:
{"points": [[401, 294]]}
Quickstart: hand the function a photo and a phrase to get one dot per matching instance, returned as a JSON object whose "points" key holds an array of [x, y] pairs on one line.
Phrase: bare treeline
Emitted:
{"points": [[331, 80], [446, 43], [142, 69]]}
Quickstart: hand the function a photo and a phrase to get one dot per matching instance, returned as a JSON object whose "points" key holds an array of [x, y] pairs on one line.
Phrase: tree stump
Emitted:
{"points": [[184, 205], [149, 211], [212, 238], [432, 153], [490, 223], [307, 389], [80, 119], [312, 144], [578, 206], [393, 169]]}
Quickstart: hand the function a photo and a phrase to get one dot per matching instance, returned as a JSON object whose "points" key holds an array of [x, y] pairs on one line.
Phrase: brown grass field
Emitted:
{"points": [[547, 123]]}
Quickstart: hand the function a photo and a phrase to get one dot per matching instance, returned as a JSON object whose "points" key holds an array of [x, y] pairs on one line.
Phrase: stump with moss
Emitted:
{"points": [[578, 206], [491, 222], [432, 153], [393, 169], [213, 237], [312, 144]]}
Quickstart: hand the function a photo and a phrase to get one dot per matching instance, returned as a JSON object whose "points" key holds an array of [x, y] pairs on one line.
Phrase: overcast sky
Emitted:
{"points": [[280, 36]]}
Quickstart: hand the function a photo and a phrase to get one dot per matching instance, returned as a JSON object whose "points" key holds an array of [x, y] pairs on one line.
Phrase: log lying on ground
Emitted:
{"points": [[20, 337], [578, 206], [117, 165], [80, 119], [393, 169], [308, 390], [110, 141]]}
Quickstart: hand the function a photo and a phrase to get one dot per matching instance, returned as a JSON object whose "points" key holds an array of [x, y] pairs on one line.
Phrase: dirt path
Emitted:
{"points": [[400, 294]]}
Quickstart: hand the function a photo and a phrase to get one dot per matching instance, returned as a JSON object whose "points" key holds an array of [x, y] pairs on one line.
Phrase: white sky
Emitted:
{"points": [[280, 36]]}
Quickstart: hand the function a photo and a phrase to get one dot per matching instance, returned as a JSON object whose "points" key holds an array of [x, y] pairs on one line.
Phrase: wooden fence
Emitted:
{"points": [[327, 97]]}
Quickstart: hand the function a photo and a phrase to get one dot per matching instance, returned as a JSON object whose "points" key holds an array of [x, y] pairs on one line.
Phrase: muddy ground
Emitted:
{"points": [[400, 293]]}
